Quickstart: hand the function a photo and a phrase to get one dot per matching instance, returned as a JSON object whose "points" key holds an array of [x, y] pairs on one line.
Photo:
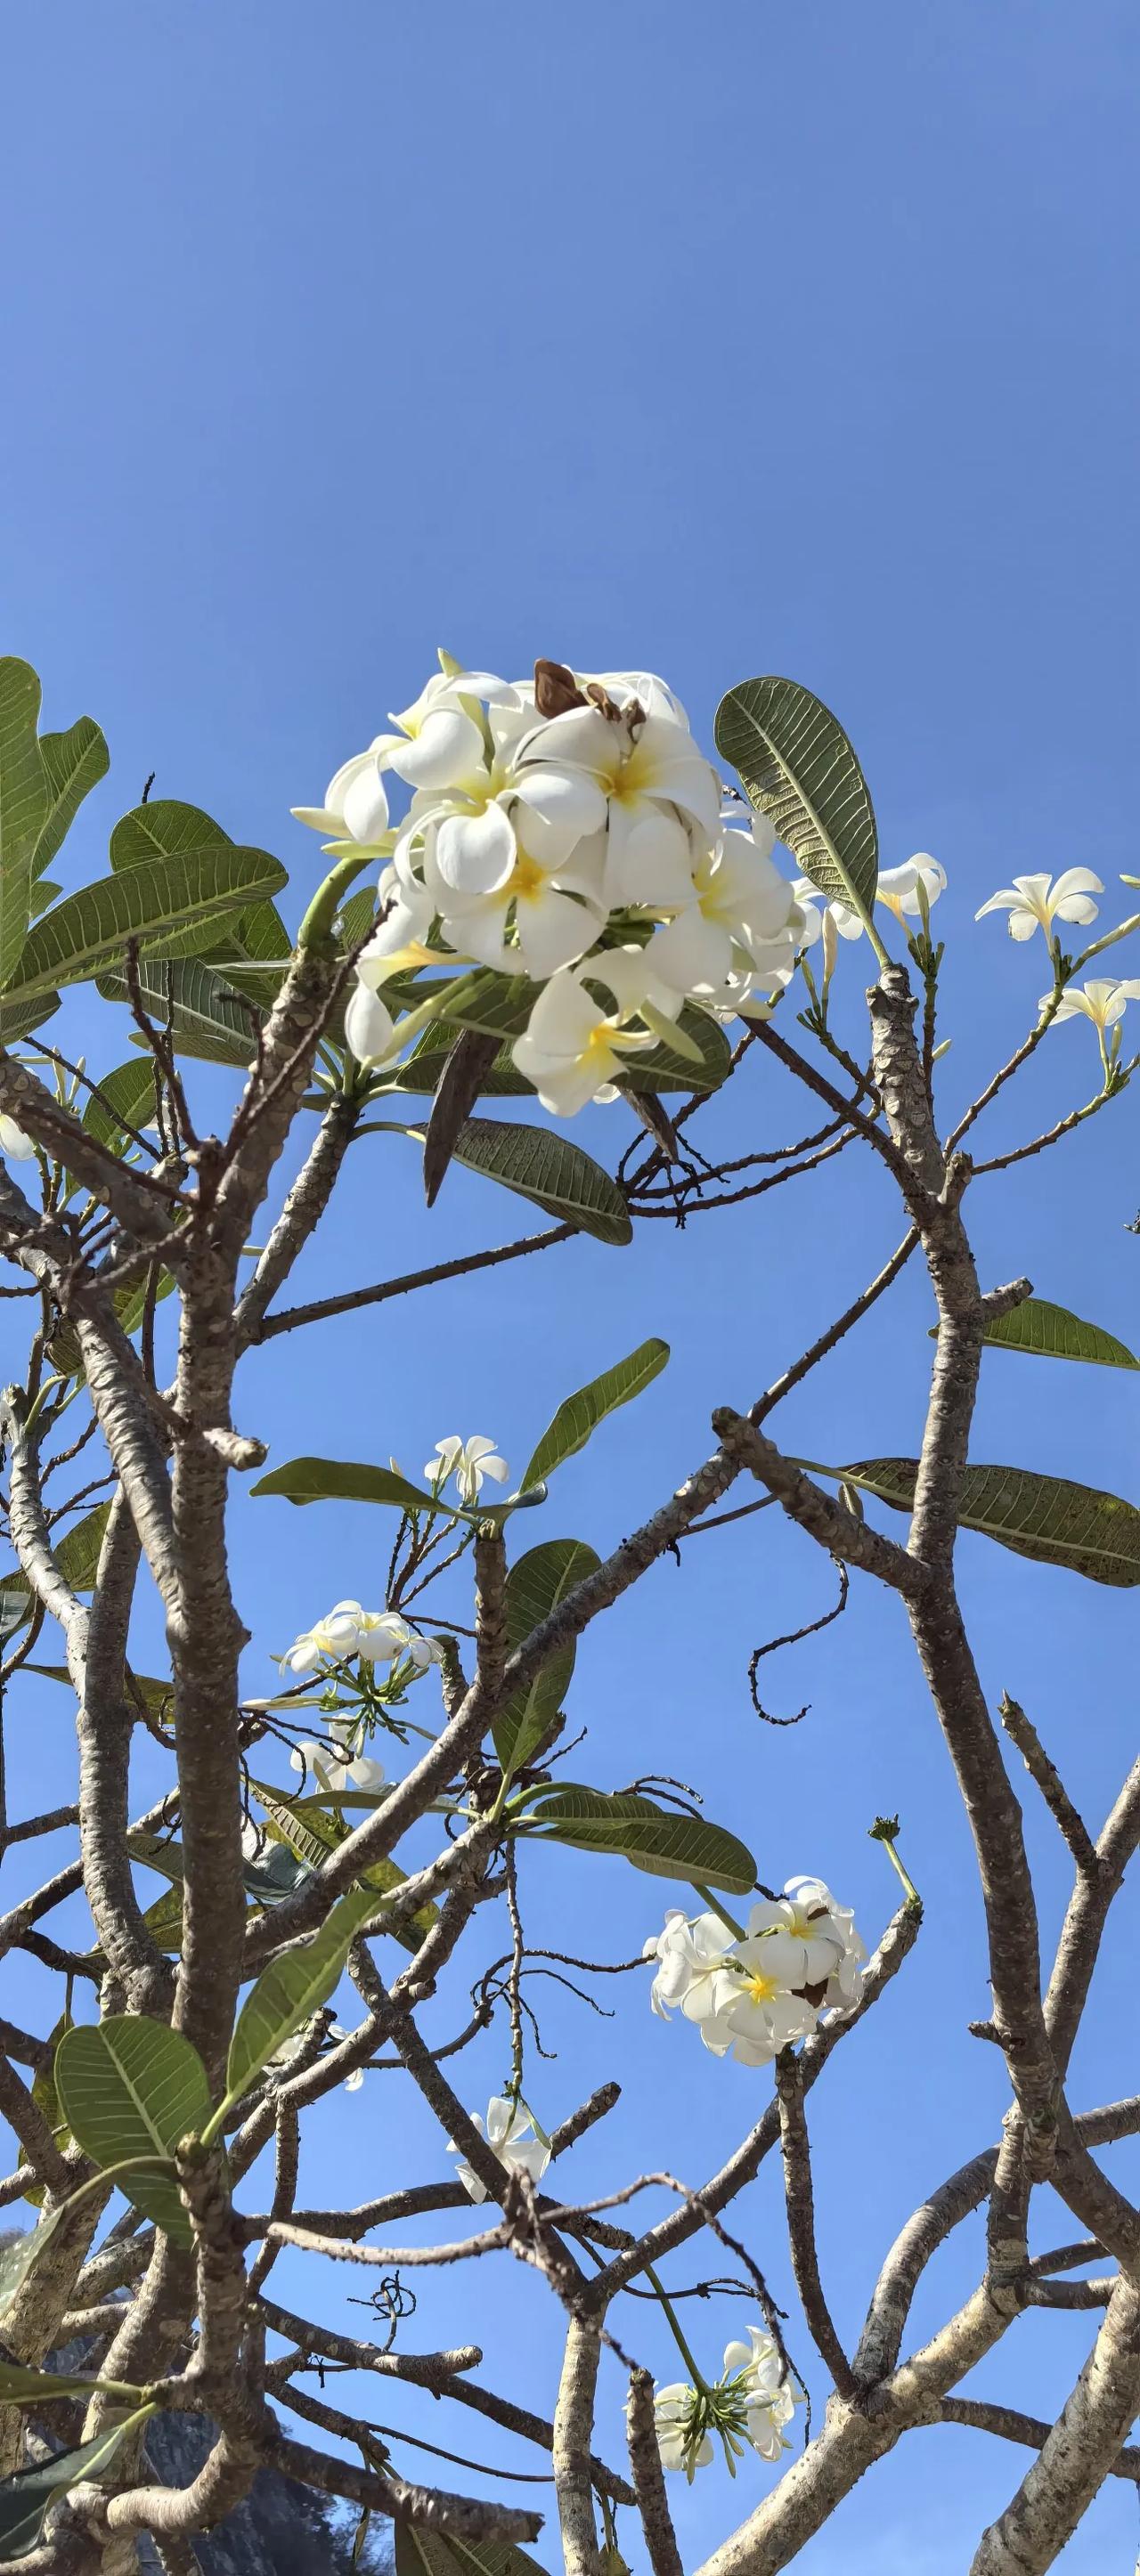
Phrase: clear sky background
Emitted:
{"points": [[717, 340]]}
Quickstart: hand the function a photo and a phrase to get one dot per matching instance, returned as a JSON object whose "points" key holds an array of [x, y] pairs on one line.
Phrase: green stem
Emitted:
{"points": [[699, 2383], [316, 927]]}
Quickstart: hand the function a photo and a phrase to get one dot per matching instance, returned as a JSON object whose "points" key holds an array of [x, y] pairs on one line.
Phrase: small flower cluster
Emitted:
{"points": [[469, 1461], [375, 1636], [747, 2408], [512, 2134], [752, 1994], [567, 829]]}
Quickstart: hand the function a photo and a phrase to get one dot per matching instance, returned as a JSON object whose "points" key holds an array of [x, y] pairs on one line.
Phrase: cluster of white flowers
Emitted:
{"points": [[747, 2408], [751, 1995], [376, 1636], [568, 829], [511, 2134], [340, 1766]]}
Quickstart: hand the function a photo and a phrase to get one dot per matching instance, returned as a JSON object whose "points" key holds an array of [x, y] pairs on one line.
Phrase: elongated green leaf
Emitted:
{"points": [[664, 1068], [799, 768], [499, 1004], [131, 2087], [654, 1838], [163, 831], [291, 1988], [77, 1555], [208, 1021], [125, 1099], [268, 1878], [74, 761], [168, 904], [25, 797], [421, 1070], [26, 2497], [343, 1480], [1052, 1333], [21, 2256], [253, 954], [581, 1413], [313, 1832], [420, 2552], [546, 1168], [18, 1019], [22, 2387], [535, 1586], [1042, 1517], [46, 2099]]}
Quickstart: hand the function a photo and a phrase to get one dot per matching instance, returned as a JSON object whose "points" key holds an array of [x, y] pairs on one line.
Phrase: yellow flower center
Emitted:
{"points": [[527, 878], [759, 1988]]}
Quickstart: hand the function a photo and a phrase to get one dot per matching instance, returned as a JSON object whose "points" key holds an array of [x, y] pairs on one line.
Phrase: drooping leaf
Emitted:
{"points": [[131, 2087], [208, 1021], [25, 2498], [536, 1585], [799, 768], [25, 797], [1052, 1333], [313, 1832], [170, 905], [581, 1413], [422, 1069], [77, 1555], [422, 2552], [344, 1480], [20, 2257], [162, 830], [74, 761], [1046, 1518], [291, 1988], [546, 1168], [46, 2099], [657, 1839]]}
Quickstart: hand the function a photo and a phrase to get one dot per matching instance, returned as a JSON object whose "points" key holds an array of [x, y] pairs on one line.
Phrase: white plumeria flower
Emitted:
{"points": [[897, 889], [13, 1141], [810, 1911], [544, 915], [659, 796], [573, 1046], [1101, 1000], [769, 2403], [1037, 902], [681, 2444], [356, 804], [469, 1461], [379, 1636], [739, 902], [400, 939], [751, 2008], [337, 1771], [689, 1954], [468, 830], [438, 740], [353, 2081], [509, 2132], [369, 1027]]}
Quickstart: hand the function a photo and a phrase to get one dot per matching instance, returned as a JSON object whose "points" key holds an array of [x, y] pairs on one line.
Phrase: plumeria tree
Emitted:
{"points": [[540, 894]]}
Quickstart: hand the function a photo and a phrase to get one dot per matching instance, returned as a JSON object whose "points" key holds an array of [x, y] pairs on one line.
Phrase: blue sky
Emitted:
{"points": [[719, 341]]}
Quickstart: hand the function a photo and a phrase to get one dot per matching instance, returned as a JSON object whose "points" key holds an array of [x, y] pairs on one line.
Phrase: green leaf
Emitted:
{"points": [[74, 761], [22, 2387], [26, 2497], [346, 1480], [546, 1168], [421, 1070], [664, 1068], [291, 1988], [163, 831], [535, 1586], [25, 798], [170, 904], [208, 1021], [20, 2257], [499, 1004], [420, 2552], [18, 1019], [313, 1832], [1043, 1517], [77, 1555], [581, 1413], [46, 2099], [1052, 1333], [656, 1839], [130, 2087], [127, 1101], [799, 768]]}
